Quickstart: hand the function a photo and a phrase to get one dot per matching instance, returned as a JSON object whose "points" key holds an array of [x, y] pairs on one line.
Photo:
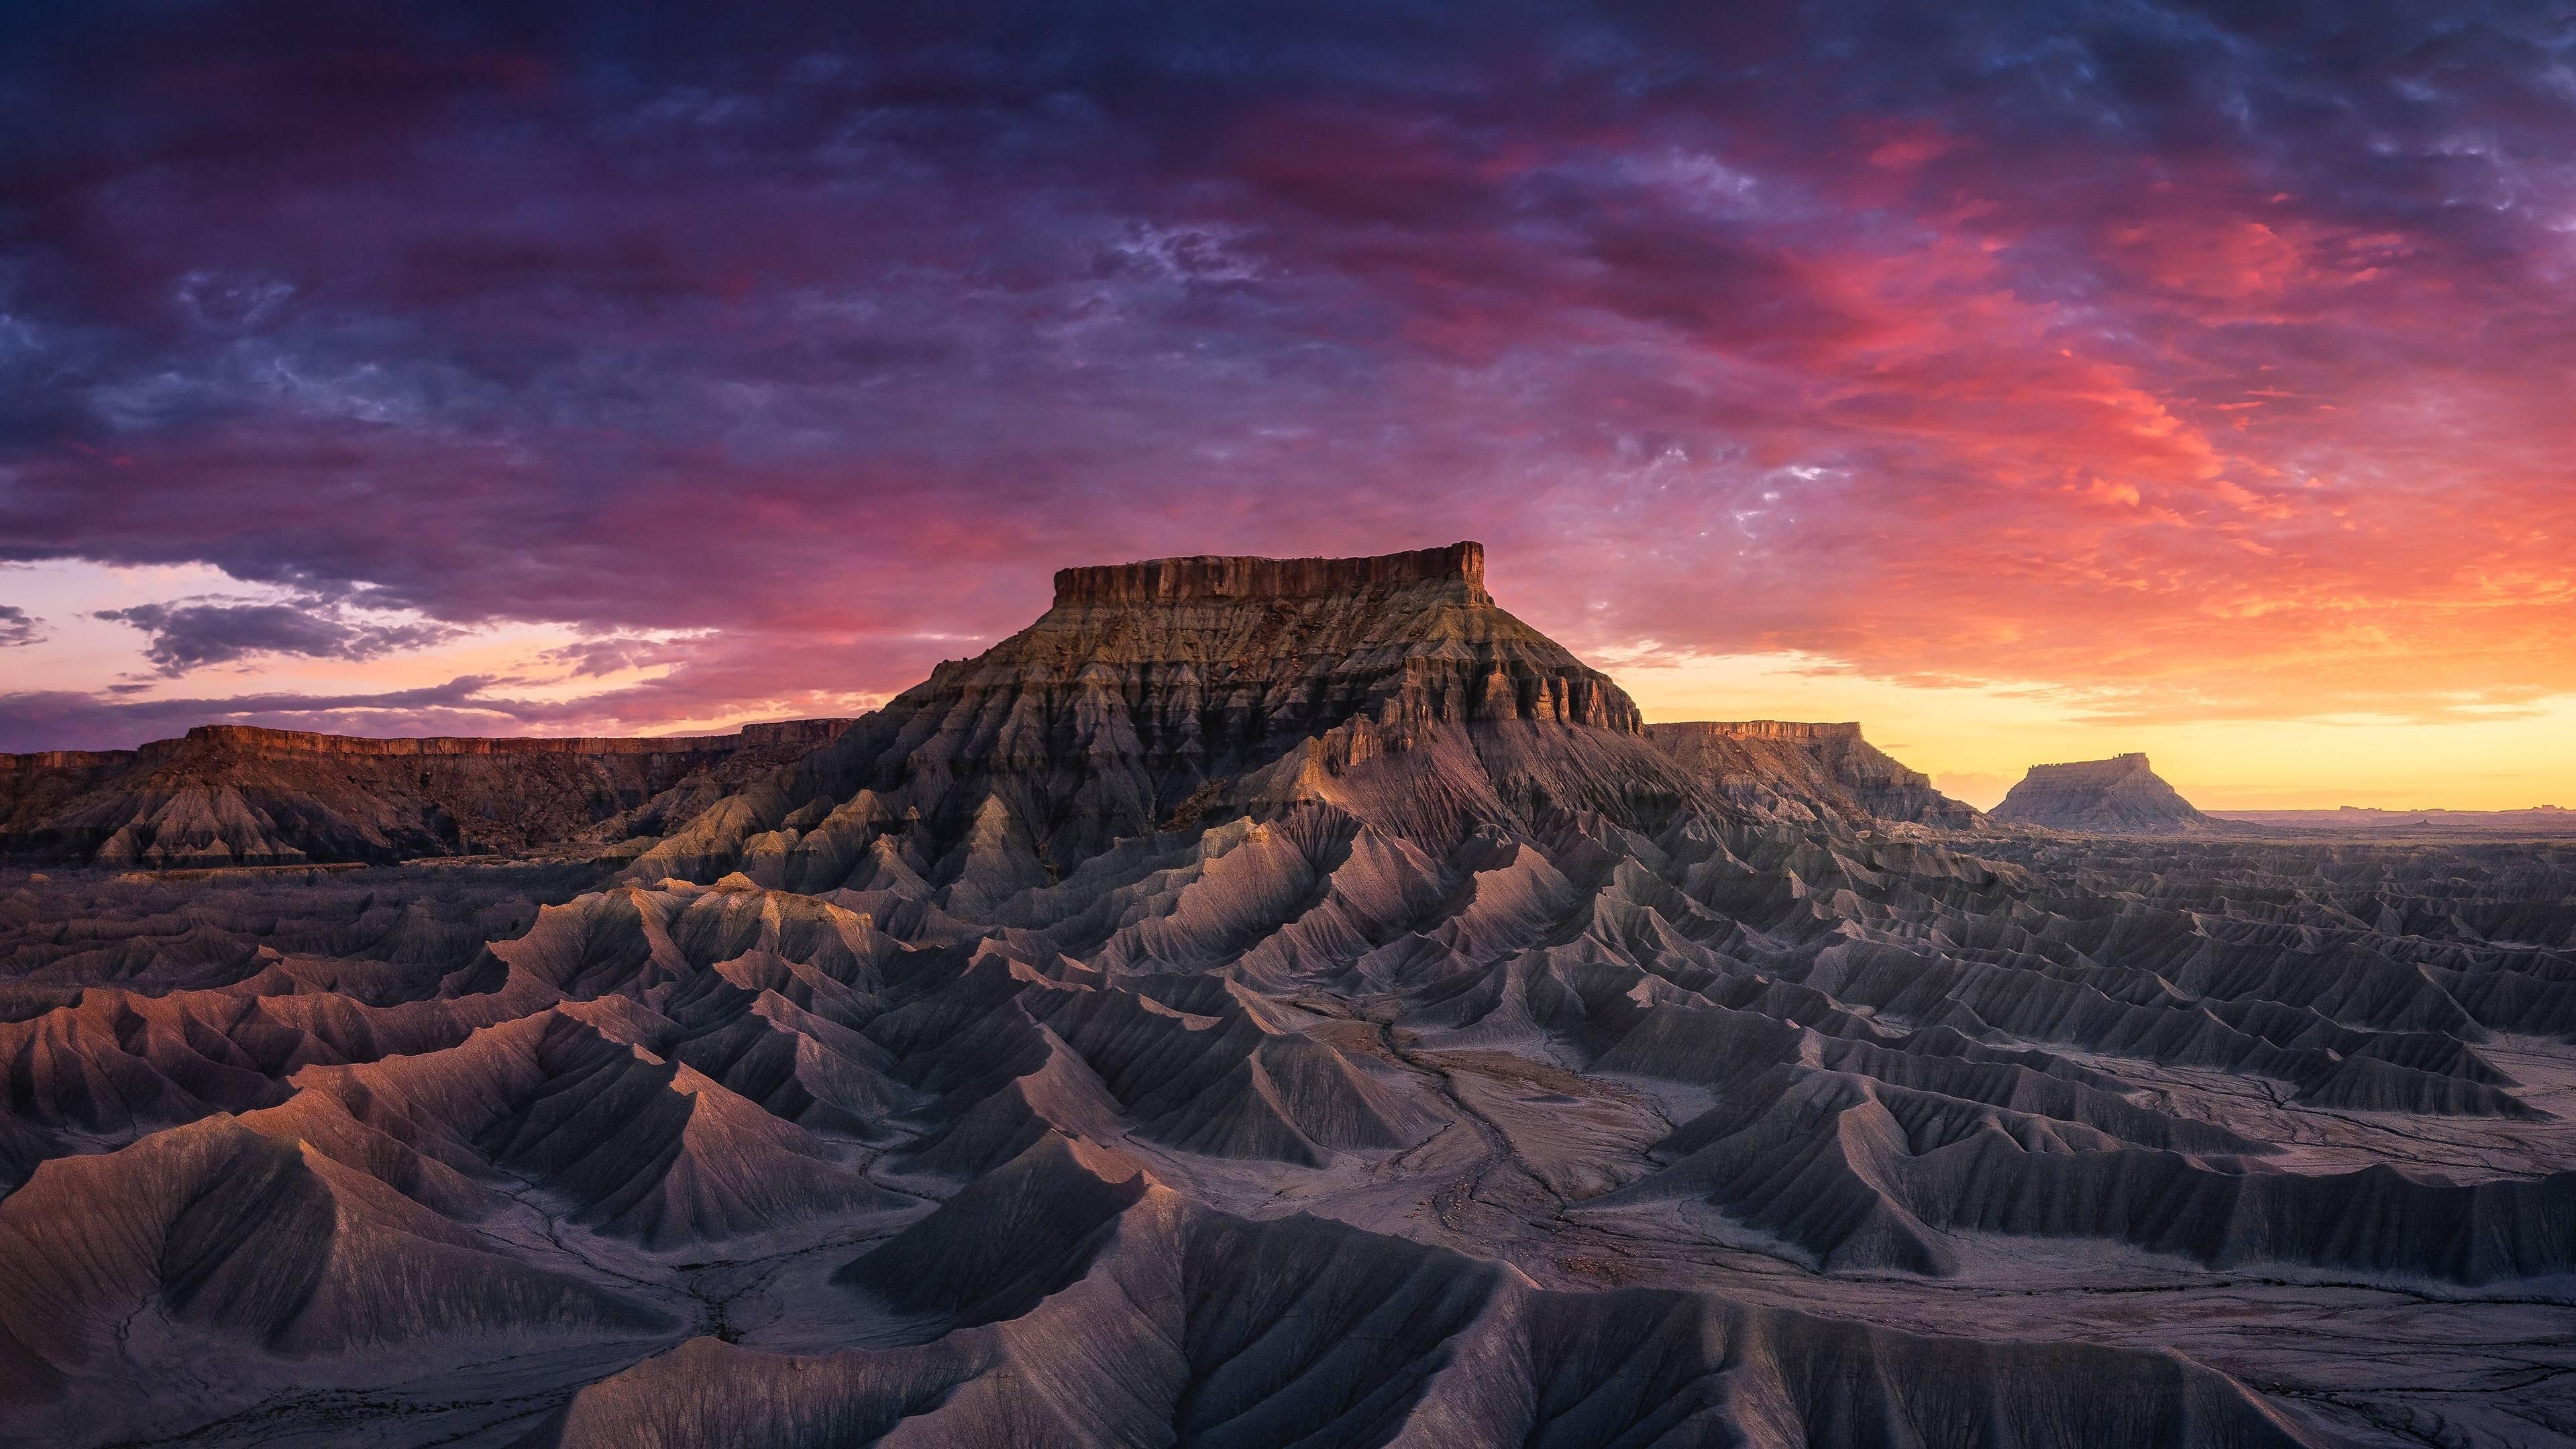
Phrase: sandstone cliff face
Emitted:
{"points": [[1152, 693], [1227, 655], [1827, 769], [2119, 796], [227, 795]]}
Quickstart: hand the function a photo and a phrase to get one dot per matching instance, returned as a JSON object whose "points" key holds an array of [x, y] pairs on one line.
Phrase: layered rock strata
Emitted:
{"points": [[2118, 796], [1828, 769]]}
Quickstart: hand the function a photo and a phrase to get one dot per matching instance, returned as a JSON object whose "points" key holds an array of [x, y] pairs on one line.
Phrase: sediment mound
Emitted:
{"points": [[1137, 1317]]}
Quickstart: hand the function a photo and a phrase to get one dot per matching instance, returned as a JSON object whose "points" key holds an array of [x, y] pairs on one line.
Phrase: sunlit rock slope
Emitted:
{"points": [[1828, 769]]}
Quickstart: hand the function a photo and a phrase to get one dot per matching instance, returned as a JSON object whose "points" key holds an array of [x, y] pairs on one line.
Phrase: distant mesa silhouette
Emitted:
{"points": [[237, 795], [2117, 796]]}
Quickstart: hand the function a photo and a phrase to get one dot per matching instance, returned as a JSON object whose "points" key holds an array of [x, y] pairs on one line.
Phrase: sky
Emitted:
{"points": [[2030, 382]]}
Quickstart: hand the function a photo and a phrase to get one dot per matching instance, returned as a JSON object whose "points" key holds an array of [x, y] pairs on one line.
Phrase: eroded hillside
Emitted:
{"points": [[1294, 1002]]}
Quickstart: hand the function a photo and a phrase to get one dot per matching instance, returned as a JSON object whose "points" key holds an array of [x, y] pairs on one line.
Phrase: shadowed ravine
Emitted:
{"points": [[1274, 1002]]}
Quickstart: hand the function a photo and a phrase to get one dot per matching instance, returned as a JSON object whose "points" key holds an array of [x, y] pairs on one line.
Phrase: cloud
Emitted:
{"points": [[186, 636], [713, 695], [2196, 361], [615, 654], [43, 720], [17, 628]]}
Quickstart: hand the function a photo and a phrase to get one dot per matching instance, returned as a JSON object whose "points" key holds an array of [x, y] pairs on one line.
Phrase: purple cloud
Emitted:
{"points": [[188, 635], [44, 719]]}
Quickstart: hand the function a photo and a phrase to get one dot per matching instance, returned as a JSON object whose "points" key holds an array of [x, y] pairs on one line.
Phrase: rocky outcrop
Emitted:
{"points": [[231, 795], [1826, 768], [2118, 796]]}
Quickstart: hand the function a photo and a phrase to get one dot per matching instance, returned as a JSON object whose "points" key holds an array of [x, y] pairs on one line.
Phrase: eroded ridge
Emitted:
{"points": [[231, 795], [1061, 1057]]}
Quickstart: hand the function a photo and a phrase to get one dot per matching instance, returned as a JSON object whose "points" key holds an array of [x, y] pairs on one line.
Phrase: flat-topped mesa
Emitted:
{"points": [[1827, 768], [1241, 576], [1232, 651], [1392, 688], [2118, 796], [2132, 763]]}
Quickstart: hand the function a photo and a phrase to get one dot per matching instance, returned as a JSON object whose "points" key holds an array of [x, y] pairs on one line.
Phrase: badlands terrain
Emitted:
{"points": [[1262, 1002]]}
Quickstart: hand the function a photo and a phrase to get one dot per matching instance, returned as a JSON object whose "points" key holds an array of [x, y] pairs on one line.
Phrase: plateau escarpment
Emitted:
{"points": [[233, 795], [2119, 796], [1292, 1001], [1785, 765]]}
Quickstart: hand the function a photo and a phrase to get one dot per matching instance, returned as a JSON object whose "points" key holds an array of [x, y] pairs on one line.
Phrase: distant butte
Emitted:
{"points": [[2118, 796]]}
